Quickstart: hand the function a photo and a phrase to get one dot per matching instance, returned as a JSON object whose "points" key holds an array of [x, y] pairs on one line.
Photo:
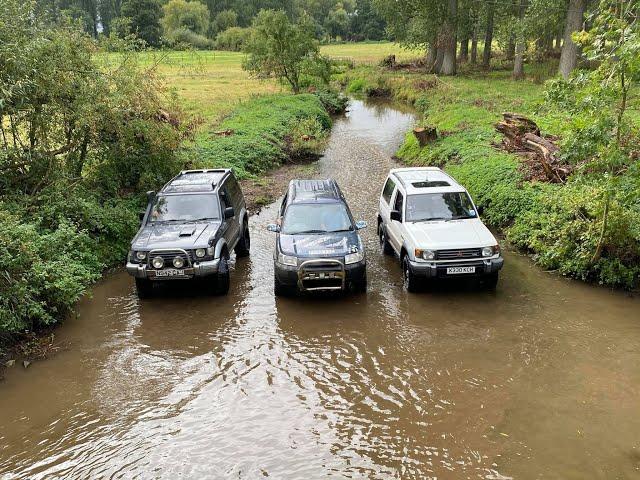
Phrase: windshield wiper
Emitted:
{"points": [[431, 219], [200, 219], [305, 231], [341, 230]]}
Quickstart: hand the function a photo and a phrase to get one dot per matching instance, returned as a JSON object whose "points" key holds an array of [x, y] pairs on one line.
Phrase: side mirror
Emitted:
{"points": [[272, 227], [361, 224], [141, 216], [229, 213], [480, 210], [396, 216]]}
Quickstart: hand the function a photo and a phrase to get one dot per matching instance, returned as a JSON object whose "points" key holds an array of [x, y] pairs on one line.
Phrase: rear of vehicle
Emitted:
{"points": [[317, 246]]}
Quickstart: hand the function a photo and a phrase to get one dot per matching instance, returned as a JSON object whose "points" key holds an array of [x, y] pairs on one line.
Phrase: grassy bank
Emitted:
{"points": [[557, 224]]}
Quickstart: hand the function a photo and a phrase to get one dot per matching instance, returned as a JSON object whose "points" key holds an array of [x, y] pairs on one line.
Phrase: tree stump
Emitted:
{"points": [[425, 135]]}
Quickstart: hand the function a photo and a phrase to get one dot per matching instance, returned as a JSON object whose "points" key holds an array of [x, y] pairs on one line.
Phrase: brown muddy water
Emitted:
{"points": [[539, 380]]}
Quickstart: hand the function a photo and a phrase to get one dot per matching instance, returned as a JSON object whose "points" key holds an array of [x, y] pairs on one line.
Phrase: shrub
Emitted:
{"points": [[183, 39], [232, 39]]}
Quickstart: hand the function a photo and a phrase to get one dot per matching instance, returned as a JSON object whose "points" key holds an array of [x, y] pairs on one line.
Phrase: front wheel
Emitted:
{"points": [[490, 282], [281, 290], [144, 288], [411, 281], [222, 278], [244, 244]]}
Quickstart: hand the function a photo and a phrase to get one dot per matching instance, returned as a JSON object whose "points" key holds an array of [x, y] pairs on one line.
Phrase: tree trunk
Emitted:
{"points": [[449, 61], [518, 63], [474, 46], [488, 37], [569, 56], [511, 47], [464, 49], [432, 55], [439, 59]]}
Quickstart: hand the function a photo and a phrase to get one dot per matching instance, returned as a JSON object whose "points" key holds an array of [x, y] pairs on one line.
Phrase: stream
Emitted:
{"points": [[537, 380]]}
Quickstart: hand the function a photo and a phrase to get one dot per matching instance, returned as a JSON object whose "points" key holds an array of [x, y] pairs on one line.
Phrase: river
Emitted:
{"points": [[540, 379]]}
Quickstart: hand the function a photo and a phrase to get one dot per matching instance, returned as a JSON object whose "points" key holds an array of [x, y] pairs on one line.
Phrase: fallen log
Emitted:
{"points": [[425, 135]]}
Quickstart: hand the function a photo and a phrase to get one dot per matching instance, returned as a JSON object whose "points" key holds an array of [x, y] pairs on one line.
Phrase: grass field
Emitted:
{"points": [[212, 83]]}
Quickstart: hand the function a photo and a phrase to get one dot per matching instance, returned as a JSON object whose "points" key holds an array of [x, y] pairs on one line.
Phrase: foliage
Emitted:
{"points": [[144, 19], [265, 132], [224, 20], [184, 39], [185, 15], [233, 39], [277, 47]]}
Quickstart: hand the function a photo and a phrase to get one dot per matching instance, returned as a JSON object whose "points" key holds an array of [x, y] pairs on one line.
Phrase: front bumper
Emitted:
{"points": [[439, 269], [199, 269], [321, 275]]}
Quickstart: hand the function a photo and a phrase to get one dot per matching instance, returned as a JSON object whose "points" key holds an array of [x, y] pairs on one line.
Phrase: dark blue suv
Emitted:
{"points": [[317, 245]]}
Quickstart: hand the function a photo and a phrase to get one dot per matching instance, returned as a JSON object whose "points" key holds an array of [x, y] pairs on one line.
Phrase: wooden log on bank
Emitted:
{"points": [[425, 135]]}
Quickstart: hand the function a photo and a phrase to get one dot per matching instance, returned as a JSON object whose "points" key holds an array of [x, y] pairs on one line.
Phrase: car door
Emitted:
{"points": [[394, 228], [385, 200], [230, 225]]}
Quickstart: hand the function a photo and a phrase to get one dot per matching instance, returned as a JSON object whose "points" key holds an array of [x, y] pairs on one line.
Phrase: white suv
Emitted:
{"points": [[430, 222]]}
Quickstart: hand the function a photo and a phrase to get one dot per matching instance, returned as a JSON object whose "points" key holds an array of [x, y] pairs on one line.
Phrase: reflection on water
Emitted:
{"points": [[537, 380]]}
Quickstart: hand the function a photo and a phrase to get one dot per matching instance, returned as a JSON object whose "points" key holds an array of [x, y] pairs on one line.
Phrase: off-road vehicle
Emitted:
{"points": [[430, 222], [317, 244], [188, 231]]}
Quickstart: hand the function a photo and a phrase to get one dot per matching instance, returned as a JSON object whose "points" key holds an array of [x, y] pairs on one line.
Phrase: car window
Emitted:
{"points": [[283, 205], [439, 206], [172, 208], [397, 205], [387, 191], [234, 191], [316, 218]]}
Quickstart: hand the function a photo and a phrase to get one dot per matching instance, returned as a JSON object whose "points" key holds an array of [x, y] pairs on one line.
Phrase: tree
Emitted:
{"points": [[575, 19], [280, 48], [108, 11], [488, 36], [144, 16], [191, 15], [521, 42], [366, 24], [449, 39], [224, 20], [337, 22]]}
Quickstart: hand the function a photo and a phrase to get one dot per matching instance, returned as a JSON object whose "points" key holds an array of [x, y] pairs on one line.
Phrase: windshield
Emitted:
{"points": [[184, 208], [316, 218], [439, 206]]}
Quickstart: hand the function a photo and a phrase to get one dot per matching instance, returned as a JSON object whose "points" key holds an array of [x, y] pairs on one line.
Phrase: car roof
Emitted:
{"points": [[426, 180], [314, 191], [196, 181]]}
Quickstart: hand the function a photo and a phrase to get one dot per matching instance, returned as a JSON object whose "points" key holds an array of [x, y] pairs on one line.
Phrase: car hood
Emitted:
{"points": [[320, 245], [175, 235], [468, 233]]}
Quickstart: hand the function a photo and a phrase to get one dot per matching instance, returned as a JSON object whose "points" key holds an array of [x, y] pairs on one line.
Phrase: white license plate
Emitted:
{"points": [[459, 270], [170, 273]]}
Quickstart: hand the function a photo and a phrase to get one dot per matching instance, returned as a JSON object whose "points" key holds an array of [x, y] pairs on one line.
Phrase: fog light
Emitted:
{"points": [[141, 255], [201, 252], [178, 262], [157, 263]]}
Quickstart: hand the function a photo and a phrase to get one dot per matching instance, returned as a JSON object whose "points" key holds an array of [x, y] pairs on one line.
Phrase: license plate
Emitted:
{"points": [[170, 273], [459, 270]]}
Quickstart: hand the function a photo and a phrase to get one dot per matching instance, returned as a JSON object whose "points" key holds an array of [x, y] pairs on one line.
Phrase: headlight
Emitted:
{"points": [[354, 258], [490, 251], [201, 253], [141, 255], [178, 262], [425, 254], [157, 263], [287, 260]]}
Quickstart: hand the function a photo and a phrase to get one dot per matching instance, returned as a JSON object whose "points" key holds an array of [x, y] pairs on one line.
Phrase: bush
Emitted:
{"points": [[232, 39], [183, 39]]}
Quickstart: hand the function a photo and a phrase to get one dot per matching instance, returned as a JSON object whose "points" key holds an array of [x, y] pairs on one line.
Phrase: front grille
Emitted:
{"points": [[323, 267], [322, 283], [321, 275], [459, 254], [168, 256]]}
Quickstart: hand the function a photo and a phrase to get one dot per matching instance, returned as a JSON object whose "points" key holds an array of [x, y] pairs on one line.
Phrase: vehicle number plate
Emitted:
{"points": [[170, 273], [459, 270]]}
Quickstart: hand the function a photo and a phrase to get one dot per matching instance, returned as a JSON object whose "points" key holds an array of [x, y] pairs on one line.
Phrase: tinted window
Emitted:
{"points": [[316, 218], [439, 206], [388, 190], [397, 205], [234, 191], [184, 208]]}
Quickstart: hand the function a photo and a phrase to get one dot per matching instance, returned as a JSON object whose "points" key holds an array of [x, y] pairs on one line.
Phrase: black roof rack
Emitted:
{"points": [[301, 191], [195, 181]]}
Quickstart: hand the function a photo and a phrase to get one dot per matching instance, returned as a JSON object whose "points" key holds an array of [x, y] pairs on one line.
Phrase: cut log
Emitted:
{"points": [[425, 135], [546, 155]]}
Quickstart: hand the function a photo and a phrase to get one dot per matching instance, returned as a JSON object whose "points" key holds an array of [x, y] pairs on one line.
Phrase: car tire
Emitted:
{"points": [[281, 290], [490, 282], [385, 246], [222, 281], [361, 285], [244, 244], [411, 281], [144, 288]]}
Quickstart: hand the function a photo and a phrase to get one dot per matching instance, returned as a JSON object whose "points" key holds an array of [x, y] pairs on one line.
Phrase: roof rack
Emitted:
{"points": [[195, 180]]}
